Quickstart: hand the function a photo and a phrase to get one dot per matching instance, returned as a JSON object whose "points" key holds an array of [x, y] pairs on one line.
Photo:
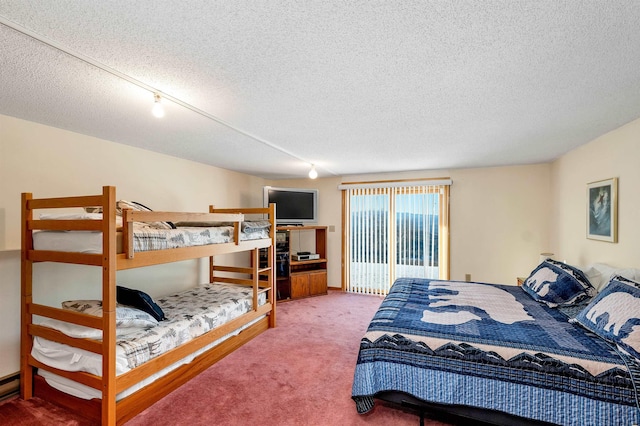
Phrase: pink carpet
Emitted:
{"points": [[299, 373], [35, 412]]}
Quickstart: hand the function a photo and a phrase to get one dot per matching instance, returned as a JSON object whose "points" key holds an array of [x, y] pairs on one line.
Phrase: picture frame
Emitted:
{"points": [[602, 210]]}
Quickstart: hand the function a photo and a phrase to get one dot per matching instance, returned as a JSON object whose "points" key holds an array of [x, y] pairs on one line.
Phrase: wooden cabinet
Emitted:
{"points": [[300, 278], [299, 286], [318, 282], [305, 284]]}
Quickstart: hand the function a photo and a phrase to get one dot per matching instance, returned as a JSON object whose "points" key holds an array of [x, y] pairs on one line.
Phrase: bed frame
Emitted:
{"points": [[108, 411], [456, 414]]}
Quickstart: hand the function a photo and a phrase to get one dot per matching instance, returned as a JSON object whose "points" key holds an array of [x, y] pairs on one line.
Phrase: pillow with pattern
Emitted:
{"points": [[614, 315], [558, 284], [126, 316], [255, 226]]}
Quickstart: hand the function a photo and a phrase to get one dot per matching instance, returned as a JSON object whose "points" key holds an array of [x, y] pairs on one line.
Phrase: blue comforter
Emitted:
{"points": [[493, 347]]}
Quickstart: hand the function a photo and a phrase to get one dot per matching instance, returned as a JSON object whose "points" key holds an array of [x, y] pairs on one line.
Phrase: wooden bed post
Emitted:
{"points": [[255, 276], [211, 261], [271, 260], [272, 281], [109, 266], [26, 286]]}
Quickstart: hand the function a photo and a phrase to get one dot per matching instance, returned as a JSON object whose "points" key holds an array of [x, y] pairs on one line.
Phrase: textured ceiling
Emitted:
{"points": [[352, 86]]}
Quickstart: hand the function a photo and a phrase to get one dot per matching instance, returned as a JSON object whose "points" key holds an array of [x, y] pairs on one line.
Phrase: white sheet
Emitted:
{"points": [[69, 241]]}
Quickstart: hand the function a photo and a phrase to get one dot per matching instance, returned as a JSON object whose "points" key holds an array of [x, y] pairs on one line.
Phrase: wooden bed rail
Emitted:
{"points": [[65, 225], [57, 336], [66, 315], [65, 202], [130, 216], [157, 216], [87, 379]]}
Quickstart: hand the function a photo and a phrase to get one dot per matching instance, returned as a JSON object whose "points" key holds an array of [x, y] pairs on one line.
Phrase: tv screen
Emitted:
{"points": [[294, 206]]}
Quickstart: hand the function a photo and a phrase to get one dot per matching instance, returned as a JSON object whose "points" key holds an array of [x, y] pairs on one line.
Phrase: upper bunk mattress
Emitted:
{"points": [[146, 238]]}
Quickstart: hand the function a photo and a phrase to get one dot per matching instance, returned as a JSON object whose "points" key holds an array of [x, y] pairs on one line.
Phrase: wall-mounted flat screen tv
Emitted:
{"points": [[294, 206]]}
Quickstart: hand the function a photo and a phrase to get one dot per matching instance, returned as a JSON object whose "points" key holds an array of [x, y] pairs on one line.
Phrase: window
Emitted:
{"points": [[394, 230]]}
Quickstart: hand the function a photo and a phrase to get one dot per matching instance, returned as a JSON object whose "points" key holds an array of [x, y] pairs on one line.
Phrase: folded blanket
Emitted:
{"points": [[255, 226], [248, 227]]}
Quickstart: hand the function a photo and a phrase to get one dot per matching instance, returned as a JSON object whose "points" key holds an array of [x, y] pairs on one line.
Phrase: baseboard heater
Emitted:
{"points": [[9, 385]]}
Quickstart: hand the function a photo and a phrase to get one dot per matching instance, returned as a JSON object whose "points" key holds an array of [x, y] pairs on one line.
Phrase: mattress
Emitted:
{"points": [[494, 348], [145, 238], [190, 314], [86, 392]]}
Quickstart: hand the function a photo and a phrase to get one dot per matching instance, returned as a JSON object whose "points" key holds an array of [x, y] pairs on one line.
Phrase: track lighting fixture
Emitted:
{"points": [[313, 173], [158, 109]]}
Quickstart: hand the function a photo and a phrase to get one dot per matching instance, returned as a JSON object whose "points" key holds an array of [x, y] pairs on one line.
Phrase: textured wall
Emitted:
{"points": [[614, 154]]}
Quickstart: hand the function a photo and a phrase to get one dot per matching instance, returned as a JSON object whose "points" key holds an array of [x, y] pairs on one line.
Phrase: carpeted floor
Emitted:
{"points": [[299, 373], [35, 412]]}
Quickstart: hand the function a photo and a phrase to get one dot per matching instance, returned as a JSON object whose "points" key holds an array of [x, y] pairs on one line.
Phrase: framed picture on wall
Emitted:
{"points": [[602, 210]]}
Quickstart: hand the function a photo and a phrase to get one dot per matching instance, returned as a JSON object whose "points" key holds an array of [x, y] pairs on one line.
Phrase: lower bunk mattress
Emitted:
{"points": [[189, 314], [492, 347]]}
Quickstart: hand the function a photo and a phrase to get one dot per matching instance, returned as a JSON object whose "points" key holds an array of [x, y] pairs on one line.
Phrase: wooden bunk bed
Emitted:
{"points": [[118, 254]]}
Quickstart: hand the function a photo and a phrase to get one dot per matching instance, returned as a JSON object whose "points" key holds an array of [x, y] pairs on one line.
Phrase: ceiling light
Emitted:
{"points": [[158, 109], [313, 173]]}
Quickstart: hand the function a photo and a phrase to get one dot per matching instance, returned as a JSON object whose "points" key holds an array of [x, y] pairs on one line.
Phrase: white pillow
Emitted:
{"points": [[599, 274]]}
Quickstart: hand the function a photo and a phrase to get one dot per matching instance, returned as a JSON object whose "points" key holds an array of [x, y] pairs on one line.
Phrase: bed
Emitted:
{"points": [[112, 358], [495, 353]]}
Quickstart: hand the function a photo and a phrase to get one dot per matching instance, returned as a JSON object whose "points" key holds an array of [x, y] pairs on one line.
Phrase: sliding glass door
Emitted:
{"points": [[392, 232], [368, 232]]}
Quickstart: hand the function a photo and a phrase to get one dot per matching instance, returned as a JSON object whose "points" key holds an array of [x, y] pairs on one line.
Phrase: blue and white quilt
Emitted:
{"points": [[494, 347]]}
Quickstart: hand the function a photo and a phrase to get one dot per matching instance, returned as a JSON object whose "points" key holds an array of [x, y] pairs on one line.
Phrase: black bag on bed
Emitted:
{"points": [[139, 299]]}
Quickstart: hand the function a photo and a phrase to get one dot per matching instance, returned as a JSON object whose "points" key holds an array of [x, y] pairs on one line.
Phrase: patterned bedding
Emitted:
{"points": [[493, 347], [146, 238], [189, 313]]}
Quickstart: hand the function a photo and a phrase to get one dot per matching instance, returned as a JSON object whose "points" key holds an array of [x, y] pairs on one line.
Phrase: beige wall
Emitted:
{"points": [[499, 218], [614, 154], [50, 162], [499, 222]]}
